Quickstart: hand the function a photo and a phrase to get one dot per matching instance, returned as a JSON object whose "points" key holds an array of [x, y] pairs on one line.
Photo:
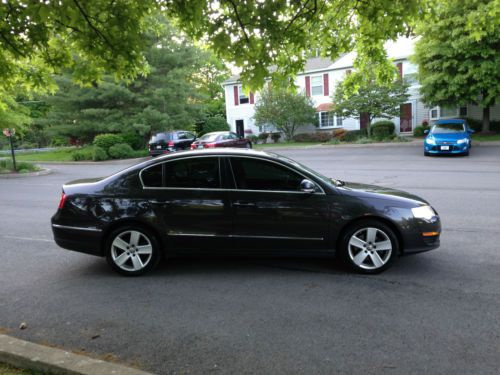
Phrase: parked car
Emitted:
{"points": [[221, 139], [448, 137], [239, 202], [166, 142]]}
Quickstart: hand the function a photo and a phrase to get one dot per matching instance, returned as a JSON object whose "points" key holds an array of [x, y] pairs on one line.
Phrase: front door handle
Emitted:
{"points": [[243, 204]]}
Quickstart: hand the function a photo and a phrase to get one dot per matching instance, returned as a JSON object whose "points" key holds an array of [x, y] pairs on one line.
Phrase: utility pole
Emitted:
{"points": [[10, 134]]}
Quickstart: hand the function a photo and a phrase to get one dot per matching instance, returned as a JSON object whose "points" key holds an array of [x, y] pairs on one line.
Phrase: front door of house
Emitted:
{"points": [[240, 128], [364, 119], [405, 118]]}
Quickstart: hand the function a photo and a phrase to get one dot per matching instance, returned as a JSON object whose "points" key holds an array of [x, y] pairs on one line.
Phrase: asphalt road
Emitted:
{"points": [[436, 313]]}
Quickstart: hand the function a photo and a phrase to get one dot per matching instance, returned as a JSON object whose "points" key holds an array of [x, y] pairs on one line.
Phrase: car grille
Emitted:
{"points": [[438, 148]]}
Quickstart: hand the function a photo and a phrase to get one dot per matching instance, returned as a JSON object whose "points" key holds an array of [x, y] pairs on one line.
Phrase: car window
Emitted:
{"points": [[182, 135], [255, 174], [190, 135], [152, 176], [448, 128], [225, 137], [161, 137], [193, 173], [233, 136], [210, 137]]}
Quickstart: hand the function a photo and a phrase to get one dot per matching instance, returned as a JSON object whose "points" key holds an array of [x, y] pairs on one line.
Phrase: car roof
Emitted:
{"points": [[451, 121], [222, 132]]}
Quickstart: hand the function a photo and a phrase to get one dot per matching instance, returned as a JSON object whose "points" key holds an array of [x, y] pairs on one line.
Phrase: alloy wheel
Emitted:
{"points": [[370, 248], [131, 250]]}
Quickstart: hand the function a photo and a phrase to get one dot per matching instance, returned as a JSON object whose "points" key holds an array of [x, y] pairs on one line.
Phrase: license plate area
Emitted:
{"points": [[158, 147], [445, 148]]}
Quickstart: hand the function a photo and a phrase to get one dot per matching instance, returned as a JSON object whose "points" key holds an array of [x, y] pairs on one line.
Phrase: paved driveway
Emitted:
{"points": [[438, 312]]}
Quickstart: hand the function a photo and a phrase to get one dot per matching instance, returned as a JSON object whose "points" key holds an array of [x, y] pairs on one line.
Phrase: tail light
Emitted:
{"points": [[209, 145], [170, 144], [62, 201], [193, 146]]}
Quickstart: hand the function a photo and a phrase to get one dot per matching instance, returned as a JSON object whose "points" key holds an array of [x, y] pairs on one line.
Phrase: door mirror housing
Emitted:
{"points": [[307, 186], [470, 131], [426, 131]]}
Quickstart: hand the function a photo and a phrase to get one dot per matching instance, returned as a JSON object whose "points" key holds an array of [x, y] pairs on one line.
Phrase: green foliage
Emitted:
{"points": [[214, 124], [263, 137], [374, 99], [457, 54], [121, 151], [99, 154], [134, 140], [321, 137], [6, 166], [353, 135], [83, 154], [419, 131], [105, 141], [383, 130], [258, 35], [285, 110]]}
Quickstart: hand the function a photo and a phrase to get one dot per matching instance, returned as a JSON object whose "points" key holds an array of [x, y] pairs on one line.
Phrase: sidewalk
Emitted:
{"points": [[26, 355]]}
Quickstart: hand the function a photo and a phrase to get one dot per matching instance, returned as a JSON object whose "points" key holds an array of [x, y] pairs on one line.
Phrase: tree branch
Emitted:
{"points": [[12, 46], [242, 26], [96, 30]]}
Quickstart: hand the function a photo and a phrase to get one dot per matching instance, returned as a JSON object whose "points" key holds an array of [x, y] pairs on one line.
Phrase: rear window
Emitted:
{"points": [[162, 137], [448, 128], [210, 137]]}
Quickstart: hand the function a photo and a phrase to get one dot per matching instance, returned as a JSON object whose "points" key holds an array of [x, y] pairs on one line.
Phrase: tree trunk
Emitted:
{"points": [[486, 120]]}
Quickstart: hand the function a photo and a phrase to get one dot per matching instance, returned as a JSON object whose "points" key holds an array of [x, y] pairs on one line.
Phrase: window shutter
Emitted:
{"points": [[251, 98], [400, 69], [308, 86], [236, 98], [325, 84]]}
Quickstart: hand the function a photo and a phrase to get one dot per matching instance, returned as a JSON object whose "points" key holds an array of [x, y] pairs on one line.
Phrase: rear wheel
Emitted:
{"points": [[132, 250], [369, 246], [249, 145]]}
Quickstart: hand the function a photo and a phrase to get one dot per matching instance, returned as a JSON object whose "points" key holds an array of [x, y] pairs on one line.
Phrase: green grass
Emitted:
{"points": [[61, 154], [10, 370], [486, 138], [285, 144]]}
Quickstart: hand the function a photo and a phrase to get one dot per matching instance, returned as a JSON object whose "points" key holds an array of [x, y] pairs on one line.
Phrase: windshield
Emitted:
{"points": [[210, 137], [161, 137], [311, 171], [448, 128]]}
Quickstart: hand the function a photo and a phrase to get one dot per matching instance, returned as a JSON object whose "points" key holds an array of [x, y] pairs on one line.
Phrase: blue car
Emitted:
{"points": [[448, 137]]}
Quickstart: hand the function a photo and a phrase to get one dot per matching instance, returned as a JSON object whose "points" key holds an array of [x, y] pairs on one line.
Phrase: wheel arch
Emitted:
{"points": [[131, 222], [381, 219]]}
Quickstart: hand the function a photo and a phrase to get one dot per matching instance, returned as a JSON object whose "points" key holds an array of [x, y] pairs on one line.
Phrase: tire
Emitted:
{"points": [[132, 250], [249, 145], [360, 253], [466, 153], [426, 153]]}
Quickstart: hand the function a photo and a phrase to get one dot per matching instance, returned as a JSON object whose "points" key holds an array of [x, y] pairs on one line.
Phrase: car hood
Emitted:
{"points": [[374, 191], [450, 137]]}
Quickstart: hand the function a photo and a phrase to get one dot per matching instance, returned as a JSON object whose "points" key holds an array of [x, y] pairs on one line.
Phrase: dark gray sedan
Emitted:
{"points": [[239, 202]]}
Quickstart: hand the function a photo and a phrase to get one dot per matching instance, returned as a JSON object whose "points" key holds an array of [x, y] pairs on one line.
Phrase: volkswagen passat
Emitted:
{"points": [[239, 202], [448, 137]]}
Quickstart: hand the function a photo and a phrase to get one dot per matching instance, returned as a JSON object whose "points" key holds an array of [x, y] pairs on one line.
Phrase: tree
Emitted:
{"points": [[458, 55], [373, 99], [285, 110]]}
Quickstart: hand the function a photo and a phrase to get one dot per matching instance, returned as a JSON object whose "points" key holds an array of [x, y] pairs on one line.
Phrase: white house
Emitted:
{"points": [[318, 82]]}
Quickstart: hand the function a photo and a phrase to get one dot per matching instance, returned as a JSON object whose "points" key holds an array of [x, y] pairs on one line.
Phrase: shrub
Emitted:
{"points": [[214, 124], [363, 140], [353, 135], [134, 140], [59, 141], [252, 138], [419, 131], [83, 154], [121, 151], [6, 166], [313, 137], [99, 154], [263, 137], [105, 141], [275, 137], [382, 130]]}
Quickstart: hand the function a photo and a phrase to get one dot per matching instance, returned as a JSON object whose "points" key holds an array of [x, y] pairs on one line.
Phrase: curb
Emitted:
{"points": [[105, 162], [43, 172], [24, 354]]}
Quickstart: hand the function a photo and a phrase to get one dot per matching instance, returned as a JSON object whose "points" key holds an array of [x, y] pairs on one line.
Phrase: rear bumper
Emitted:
{"points": [[76, 238], [159, 152]]}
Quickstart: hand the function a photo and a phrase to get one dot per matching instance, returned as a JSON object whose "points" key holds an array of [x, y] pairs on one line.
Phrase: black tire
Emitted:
{"points": [[146, 236], [249, 145], [466, 153], [426, 153], [383, 233]]}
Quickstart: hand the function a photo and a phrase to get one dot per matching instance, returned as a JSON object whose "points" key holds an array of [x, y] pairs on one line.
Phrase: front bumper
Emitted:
{"points": [[414, 239], [452, 148]]}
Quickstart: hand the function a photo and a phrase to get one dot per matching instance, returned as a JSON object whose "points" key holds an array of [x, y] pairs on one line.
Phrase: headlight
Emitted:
{"points": [[423, 212], [460, 141], [430, 141]]}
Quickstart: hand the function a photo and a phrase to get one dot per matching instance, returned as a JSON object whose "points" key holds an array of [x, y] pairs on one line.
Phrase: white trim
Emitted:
{"points": [[87, 229]]}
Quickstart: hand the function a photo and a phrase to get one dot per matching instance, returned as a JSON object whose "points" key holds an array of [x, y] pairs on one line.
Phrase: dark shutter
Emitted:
{"points": [[251, 98], [308, 86], [325, 84], [236, 98]]}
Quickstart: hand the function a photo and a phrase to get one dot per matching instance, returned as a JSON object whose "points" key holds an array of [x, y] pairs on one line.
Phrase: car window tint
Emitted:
{"points": [[233, 136], [182, 136], [190, 135], [193, 173], [152, 176], [254, 174]]}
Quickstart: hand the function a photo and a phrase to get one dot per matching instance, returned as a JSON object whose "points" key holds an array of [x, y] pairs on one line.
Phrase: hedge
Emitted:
{"points": [[354, 135], [382, 129], [121, 151], [105, 141]]}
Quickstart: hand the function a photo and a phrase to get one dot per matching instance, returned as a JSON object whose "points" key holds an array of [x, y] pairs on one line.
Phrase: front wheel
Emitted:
{"points": [[132, 251], [369, 247]]}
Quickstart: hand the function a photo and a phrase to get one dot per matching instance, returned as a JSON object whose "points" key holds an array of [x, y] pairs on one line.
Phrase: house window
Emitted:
{"points": [[410, 74], [328, 120], [448, 112], [434, 113], [317, 85], [242, 96]]}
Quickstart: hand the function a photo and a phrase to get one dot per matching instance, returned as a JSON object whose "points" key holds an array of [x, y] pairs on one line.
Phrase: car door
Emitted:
{"points": [[271, 213], [237, 141], [193, 209]]}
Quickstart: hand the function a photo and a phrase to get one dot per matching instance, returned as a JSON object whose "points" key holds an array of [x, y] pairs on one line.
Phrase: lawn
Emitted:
{"points": [[61, 154], [9, 370], [486, 138]]}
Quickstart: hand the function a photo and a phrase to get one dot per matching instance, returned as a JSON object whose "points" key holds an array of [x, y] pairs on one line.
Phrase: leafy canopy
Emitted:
{"points": [[458, 54], [285, 110], [374, 99]]}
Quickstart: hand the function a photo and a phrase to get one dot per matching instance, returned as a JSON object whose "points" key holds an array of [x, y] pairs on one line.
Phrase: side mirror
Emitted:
{"points": [[426, 131], [471, 131], [307, 186]]}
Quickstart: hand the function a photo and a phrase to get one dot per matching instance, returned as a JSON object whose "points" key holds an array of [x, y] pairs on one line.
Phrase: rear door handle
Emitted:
{"points": [[243, 204]]}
